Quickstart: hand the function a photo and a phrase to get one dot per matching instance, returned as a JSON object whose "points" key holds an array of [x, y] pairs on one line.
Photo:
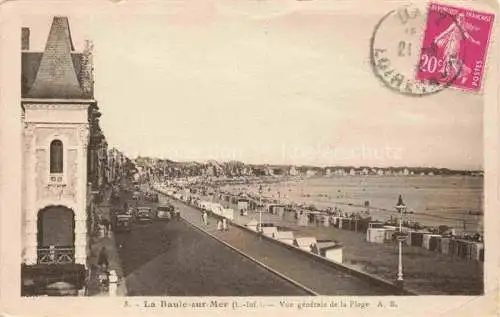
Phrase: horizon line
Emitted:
{"points": [[315, 166]]}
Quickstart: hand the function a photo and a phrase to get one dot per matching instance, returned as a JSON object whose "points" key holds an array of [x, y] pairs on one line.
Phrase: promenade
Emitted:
{"points": [[300, 267], [425, 272]]}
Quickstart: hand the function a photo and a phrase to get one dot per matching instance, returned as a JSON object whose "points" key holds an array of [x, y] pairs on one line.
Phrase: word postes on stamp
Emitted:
{"points": [[454, 46]]}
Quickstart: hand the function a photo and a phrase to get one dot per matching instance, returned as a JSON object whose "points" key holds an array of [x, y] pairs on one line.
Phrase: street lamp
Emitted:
{"points": [[400, 207]]}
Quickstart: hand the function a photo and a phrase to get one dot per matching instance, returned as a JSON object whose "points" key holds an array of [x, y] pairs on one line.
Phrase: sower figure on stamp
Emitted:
{"points": [[451, 39]]}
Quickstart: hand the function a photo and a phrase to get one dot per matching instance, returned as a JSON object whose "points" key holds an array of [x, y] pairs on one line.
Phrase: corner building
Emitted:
{"points": [[58, 112]]}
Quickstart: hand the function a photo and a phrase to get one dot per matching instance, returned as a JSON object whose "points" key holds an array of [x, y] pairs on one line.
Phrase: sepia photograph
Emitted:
{"points": [[252, 149]]}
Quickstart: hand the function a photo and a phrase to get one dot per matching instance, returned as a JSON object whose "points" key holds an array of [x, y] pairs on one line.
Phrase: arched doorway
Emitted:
{"points": [[56, 235]]}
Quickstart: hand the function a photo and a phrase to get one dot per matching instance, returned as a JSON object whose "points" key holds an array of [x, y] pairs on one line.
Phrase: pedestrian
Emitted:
{"points": [[106, 227], [224, 224], [108, 224], [219, 225], [205, 218], [102, 260]]}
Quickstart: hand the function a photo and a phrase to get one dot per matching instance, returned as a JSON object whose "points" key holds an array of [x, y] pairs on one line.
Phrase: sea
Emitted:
{"points": [[454, 201]]}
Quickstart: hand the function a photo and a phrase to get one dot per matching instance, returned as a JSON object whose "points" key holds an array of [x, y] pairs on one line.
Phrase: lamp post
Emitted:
{"points": [[400, 207]]}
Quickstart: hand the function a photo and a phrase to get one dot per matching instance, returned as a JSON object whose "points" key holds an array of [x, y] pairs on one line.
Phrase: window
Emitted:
{"points": [[56, 157]]}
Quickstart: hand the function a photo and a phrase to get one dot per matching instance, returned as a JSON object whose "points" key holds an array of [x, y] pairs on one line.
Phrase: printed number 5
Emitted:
{"points": [[404, 48]]}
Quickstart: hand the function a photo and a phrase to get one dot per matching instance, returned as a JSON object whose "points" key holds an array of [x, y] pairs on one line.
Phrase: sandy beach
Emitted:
{"points": [[455, 201]]}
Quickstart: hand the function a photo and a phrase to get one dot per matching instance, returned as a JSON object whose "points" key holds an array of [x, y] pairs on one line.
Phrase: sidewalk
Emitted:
{"points": [[98, 241]]}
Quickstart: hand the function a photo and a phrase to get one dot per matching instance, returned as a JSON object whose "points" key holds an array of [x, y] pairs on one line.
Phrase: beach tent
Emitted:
{"points": [[302, 219], [329, 249], [269, 231], [389, 232], [305, 243], [375, 235], [477, 249], [426, 243], [276, 209], [228, 213], [417, 239], [284, 236], [445, 245], [216, 209], [326, 221], [243, 204]]}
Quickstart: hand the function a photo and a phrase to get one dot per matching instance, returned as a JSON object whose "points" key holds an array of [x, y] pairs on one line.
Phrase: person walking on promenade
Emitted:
{"points": [[219, 225], [205, 218], [108, 225], [224, 224], [105, 224]]}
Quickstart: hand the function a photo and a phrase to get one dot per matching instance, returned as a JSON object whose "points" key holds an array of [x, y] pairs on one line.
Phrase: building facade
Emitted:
{"points": [[59, 114]]}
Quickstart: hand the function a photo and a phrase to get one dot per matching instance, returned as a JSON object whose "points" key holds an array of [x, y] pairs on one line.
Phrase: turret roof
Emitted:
{"points": [[56, 76]]}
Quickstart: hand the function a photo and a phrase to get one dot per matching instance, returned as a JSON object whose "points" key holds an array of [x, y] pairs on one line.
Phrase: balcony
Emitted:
{"points": [[55, 255]]}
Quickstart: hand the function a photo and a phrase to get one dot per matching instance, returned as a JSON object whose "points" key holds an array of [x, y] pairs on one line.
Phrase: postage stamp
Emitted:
{"points": [[454, 46]]}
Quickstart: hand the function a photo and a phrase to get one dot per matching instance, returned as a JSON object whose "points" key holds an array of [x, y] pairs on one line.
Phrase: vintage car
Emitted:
{"points": [[165, 212], [123, 223], [144, 214], [136, 195]]}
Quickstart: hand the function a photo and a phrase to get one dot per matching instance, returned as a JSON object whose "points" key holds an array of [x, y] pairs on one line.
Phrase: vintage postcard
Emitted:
{"points": [[249, 157]]}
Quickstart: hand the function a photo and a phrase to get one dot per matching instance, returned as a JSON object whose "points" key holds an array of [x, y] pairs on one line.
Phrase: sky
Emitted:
{"points": [[262, 83]]}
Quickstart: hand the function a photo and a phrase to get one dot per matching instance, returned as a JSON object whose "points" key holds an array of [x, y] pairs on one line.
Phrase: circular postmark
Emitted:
{"points": [[397, 53]]}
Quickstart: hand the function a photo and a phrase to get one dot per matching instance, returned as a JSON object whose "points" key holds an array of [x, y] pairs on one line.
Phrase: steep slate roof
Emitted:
{"points": [[31, 64], [56, 76]]}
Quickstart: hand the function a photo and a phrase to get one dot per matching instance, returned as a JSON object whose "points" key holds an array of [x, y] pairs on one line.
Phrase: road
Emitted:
{"points": [[174, 259]]}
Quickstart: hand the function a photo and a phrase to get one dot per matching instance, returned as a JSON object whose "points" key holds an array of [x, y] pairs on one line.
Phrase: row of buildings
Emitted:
{"points": [[169, 169], [66, 161]]}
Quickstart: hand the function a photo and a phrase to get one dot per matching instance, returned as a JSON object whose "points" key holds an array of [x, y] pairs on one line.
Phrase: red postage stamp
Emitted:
{"points": [[454, 46]]}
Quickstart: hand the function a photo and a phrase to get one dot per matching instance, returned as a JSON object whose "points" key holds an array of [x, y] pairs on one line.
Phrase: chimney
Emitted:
{"points": [[86, 76], [25, 39]]}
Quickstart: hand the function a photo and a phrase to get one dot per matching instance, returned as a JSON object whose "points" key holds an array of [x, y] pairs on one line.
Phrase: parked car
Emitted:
{"points": [[164, 212], [144, 214], [123, 223], [136, 195]]}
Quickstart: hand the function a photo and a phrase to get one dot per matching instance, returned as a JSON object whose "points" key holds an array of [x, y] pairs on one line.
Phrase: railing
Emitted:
{"points": [[56, 255]]}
